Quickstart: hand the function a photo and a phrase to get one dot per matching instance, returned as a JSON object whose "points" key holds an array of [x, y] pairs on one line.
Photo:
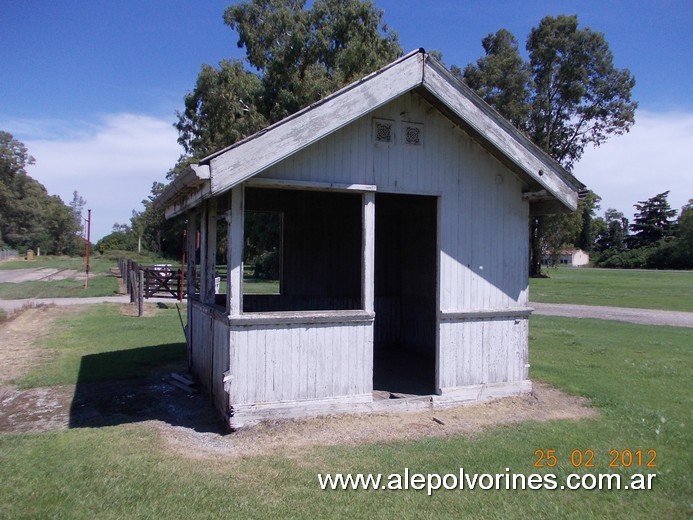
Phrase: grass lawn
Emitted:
{"points": [[638, 376], [668, 290], [96, 264], [150, 341]]}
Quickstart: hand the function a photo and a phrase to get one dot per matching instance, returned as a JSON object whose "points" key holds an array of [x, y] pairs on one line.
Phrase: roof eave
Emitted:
{"points": [[190, 181], [508, 144]]}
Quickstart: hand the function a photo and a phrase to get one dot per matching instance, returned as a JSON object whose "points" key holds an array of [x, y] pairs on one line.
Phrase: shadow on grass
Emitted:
{"points": [[130, 386]]}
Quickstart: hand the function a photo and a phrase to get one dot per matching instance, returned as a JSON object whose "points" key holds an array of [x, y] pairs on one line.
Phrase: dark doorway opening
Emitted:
{"points": [[405, 295]]}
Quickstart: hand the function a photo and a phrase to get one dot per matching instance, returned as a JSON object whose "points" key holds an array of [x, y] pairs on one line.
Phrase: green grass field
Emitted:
{"points": [[668, 290], [637, 376], [150, 341]]}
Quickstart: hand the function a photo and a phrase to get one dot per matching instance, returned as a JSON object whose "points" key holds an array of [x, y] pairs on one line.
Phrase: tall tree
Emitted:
{"points": [[653, 221], [300, 55], [501, 77], [587, 208], [29, 217], [220, 110], [615, 231], [577, 97]]}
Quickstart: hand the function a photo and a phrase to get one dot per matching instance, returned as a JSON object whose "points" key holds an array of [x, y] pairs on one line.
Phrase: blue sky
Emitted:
{"points": [[92, 87]]}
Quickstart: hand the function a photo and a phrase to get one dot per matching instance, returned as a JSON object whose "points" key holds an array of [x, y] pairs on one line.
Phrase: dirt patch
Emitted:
{"points": [[20, 339], [188, 425], [545, 403], [35, 410]]}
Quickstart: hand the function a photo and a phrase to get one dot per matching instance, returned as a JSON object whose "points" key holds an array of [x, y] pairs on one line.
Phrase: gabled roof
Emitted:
{"points": [[551, 184]]}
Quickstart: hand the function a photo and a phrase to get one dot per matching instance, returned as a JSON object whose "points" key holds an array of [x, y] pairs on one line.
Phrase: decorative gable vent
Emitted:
{"points": [[413, 133], [383, 131]]}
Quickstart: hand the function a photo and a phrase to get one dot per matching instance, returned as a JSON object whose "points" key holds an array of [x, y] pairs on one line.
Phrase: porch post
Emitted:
{"points": [[234, 288], [368, 256], [191, 253], [203, 252], [191, 267], [207, 293]]}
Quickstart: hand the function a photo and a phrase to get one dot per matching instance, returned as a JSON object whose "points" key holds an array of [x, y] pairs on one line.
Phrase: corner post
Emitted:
{"points": [[234, 288], [207, 285], [368, 256], [191, 253]]}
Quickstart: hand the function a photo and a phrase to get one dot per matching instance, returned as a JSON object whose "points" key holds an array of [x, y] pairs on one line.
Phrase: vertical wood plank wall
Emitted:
{"points": [[294, 362], [483, 351], [210, 357]]}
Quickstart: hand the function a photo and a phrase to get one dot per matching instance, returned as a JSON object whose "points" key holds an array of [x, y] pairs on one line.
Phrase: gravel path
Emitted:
{"points": [[642, 316]]}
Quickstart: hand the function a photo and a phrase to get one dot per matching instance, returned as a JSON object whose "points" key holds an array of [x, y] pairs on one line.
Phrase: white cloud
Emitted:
{"points": [[656, 156], [112, 164]]}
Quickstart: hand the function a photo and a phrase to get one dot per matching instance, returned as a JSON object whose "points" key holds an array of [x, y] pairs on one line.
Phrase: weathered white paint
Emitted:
{"points": [[368, 255], [250, 414], [242, 161], [294, 361], [235, 254], [482, 351], [210, 352], [185, 191], [505, 141], [260, 182]]}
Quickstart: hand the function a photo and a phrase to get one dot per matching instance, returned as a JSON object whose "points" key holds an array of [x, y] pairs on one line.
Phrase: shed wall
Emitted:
{"points": [[209, 356], [300, 362], [483, 218]]}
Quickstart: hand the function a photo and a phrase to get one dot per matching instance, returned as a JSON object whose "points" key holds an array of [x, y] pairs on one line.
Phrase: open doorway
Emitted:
{"points": [[405, 295]]}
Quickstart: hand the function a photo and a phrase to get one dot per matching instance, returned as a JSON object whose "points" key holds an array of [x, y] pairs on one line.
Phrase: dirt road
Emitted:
{"points": [[641, 316]]}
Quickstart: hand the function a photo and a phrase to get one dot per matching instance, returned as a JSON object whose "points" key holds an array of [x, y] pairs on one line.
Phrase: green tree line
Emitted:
{"points": [[30, 218], [568, 95], [658, 238]]}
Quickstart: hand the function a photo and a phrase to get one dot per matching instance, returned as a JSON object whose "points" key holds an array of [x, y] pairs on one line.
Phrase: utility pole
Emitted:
{"points": [[87, 245]]}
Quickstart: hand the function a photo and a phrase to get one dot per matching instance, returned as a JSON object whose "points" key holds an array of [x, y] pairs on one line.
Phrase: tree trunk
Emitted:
{"points": [[535, 255]]}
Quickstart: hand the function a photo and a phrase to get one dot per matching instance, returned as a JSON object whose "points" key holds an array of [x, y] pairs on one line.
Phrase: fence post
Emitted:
{"points": [[131, 285], [140, 293]]}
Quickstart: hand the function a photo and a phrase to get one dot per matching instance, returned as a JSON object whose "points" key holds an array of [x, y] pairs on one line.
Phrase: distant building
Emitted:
{"points": [[569, 257]]}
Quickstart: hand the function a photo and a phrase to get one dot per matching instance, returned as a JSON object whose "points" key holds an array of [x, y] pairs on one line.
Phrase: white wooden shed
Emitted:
{"points": [[404, 203]]}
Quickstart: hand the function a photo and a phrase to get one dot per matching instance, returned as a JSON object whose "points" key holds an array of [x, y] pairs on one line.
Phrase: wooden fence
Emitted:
{"points": [[151, 281]]}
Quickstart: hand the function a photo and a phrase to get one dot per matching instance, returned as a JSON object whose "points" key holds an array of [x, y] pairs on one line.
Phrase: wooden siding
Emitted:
{"points": [[482, 351], [483, 219], [209, 360], [294, 361], [480, 320]]}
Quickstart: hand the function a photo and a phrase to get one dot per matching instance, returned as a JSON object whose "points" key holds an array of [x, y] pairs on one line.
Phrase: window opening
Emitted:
{"points": [[262, 252]]}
